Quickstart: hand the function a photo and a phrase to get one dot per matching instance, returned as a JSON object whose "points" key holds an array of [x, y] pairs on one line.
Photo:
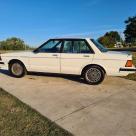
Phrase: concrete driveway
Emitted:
{"points": [[108, 109]]}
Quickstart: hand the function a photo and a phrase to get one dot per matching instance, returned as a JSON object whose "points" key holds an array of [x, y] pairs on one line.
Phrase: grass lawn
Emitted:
{"points": [[132, 76], [18, 119]]}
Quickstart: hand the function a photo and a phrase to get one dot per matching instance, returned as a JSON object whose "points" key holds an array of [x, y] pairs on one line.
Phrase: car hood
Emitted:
{"points": [[17, 54]]}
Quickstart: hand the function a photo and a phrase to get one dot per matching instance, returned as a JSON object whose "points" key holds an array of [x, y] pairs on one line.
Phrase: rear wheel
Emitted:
{"points": [[17, 69], [94, 75]]}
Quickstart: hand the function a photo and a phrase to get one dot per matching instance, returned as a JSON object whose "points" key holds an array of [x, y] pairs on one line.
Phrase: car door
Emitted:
{"points": [[75, 55], [47, 57]]}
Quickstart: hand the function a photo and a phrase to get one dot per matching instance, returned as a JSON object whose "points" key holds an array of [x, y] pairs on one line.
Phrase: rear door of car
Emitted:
{"points": [[76, 53]]}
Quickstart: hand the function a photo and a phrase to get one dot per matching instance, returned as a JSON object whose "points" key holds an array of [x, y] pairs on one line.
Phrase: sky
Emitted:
{"points": [[35, 21]]}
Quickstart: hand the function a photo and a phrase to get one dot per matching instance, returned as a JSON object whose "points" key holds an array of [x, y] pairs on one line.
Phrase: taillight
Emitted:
{"points": [[129, 63]]}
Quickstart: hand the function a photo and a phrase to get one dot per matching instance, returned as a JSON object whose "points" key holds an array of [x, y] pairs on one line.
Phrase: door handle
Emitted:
{"points": [[86, 56], [55, 55]]}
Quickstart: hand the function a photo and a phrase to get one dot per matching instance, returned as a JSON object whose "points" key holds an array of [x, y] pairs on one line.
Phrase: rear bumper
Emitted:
{"points": [[125, 71], [128, 69]]}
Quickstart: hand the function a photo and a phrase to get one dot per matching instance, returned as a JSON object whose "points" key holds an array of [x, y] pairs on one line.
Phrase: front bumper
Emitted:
{"points": [[3, 65]]}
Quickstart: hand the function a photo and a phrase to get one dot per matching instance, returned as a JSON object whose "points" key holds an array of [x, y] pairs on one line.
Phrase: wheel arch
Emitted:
{"points": [[83, 70], [16, 60]]}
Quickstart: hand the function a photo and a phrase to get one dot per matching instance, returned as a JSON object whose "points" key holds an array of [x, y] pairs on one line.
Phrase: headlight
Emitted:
{"points": [[0, 58]]}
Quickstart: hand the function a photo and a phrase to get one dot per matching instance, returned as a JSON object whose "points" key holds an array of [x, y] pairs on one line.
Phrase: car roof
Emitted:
{"points": [[68, 38]]}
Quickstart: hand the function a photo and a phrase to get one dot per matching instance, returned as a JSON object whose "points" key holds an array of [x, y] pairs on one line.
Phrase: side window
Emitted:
{"points": [[52, 46], [76, 46], [68, 47], [81, 47]]}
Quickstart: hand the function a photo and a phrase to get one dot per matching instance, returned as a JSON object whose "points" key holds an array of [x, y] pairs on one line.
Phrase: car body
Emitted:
{"points": [[70, 56]]}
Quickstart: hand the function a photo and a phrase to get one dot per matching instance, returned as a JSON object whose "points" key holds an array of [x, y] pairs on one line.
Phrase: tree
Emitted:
{"points": [[110, 39], [13, 44], [130, 31]]}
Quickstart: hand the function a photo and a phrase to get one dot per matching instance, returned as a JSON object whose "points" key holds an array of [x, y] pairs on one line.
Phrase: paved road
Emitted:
{"points": [[108, 109]]}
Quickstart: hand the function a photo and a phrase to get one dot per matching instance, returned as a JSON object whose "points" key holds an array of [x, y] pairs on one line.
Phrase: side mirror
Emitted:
{"points": [[36, 51]]}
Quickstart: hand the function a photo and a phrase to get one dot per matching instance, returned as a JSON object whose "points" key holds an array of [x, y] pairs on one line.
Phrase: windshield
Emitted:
{"points": [[99, 46]]}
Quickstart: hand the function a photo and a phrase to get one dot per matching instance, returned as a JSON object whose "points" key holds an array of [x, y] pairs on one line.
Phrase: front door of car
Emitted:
{"points": [[47, 57], [75, 55]]}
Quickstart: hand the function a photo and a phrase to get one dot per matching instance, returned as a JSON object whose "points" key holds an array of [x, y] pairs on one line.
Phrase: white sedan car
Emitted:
{"points": [[85, 57]]}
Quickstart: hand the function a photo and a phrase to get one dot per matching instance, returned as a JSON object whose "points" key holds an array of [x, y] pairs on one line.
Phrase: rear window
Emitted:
{"points": [[99, 46]]}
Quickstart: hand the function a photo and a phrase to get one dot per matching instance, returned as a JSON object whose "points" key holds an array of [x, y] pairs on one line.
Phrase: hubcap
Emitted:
{"points": [[93, 75], [17, 69]]}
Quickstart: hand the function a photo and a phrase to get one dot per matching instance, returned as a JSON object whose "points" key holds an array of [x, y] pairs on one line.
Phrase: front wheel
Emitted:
{"points": [[17, 69], [94, 75]]}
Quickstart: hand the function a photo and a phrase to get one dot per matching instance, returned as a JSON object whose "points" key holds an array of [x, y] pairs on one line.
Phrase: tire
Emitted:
{"points": [[93, 75], [17, 69]]}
